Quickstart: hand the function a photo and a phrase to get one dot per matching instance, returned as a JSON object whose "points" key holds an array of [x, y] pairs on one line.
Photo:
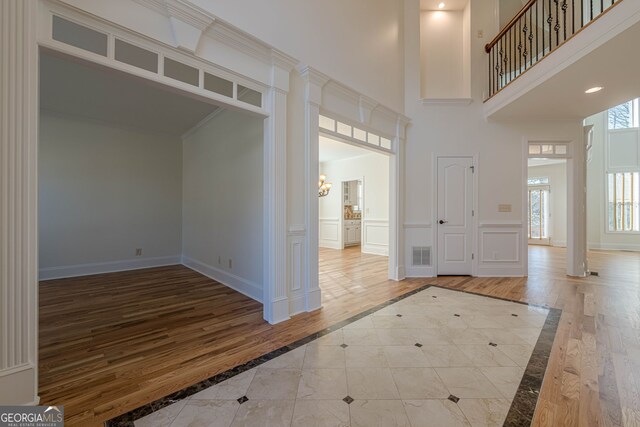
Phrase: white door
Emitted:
{"points": [[455, 213]]}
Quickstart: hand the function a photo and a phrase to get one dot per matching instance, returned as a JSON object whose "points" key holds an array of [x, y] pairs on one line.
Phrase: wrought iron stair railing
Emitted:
{"points": [[539, 28]]}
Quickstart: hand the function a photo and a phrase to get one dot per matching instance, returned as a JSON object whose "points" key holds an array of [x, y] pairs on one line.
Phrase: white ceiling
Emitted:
{"points": [[545, 162], [77, 88], [613, 66], [331, 150], [448, 4]]}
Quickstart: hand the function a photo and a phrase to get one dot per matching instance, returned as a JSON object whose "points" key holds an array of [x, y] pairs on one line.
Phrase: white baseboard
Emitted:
{"points": [[106, 267], [559, 243], [614, 246], [296, 304], [250, 289], [329, 244], [375, 250], [504, 271], [418, 272], [314, 300], [18, 385]]}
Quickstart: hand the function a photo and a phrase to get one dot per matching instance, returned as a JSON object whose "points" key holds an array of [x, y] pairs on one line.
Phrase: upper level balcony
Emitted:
{"points": [[544, 59]]}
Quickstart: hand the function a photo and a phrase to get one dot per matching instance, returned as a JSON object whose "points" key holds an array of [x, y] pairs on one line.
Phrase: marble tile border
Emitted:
{"points": [[524, 403], [520, 413]]}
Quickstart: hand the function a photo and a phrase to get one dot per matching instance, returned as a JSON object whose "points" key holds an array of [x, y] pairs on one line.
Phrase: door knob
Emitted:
{"points": [[442, 221]]}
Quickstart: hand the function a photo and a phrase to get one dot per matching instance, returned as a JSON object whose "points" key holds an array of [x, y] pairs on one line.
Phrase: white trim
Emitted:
{"points": [[576, 195], [446, 101], [614, 246], [88, 269], [245, 287], [368, 247]]}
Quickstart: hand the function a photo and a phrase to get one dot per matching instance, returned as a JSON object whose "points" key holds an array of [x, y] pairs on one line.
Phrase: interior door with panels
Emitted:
{"points": [[455, 215]]}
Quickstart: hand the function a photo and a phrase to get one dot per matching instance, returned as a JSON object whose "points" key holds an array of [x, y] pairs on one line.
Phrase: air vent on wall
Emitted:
{"points": [[422, 255]]}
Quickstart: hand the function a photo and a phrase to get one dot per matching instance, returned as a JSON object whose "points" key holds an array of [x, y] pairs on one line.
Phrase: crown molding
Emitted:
{"points": [[313, 76], [282, 60]]}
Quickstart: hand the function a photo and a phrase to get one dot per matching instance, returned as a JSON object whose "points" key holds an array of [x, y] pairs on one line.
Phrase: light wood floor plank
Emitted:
{"points": [[110, 343]]}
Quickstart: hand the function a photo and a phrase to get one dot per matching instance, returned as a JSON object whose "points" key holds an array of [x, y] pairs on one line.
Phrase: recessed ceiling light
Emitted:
{"points": [[594, 89], [441, 5]]}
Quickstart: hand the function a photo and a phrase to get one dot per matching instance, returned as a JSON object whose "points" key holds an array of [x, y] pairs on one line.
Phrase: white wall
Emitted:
{"points": [[326, 35], [222, 201], [462, 130], [444, 54], [598, 236], [374, 168], [105, 191], [557, 174]]}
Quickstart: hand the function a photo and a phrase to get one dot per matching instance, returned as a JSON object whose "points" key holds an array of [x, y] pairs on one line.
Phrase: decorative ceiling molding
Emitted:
{"points": [[313, 76], [189, 13], [366, 106], [282, 60], [237, 39], [190, 22]]}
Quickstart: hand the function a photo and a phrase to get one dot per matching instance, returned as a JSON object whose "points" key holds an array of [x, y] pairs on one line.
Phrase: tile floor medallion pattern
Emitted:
{"points": [[433, 357]]}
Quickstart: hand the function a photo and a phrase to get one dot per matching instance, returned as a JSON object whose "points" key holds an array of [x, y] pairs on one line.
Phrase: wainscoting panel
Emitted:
{"points": [[375, 236], [329, 236], [500, 250], [296, 243]]}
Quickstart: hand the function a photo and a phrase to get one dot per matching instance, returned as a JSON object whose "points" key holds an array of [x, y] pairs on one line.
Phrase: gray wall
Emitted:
{"points": [[105, 191], [223, 199]]}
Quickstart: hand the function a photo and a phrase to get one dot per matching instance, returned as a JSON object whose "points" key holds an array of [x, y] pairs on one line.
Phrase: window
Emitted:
{"points": [[537, 181], [539, 213], [623, 199], [624, 116]]}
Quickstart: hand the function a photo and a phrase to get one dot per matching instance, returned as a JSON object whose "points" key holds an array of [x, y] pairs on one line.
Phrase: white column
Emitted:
{"points": [[18, 199], [275, 294], [314, 81], [577, 210], [396, 204]]}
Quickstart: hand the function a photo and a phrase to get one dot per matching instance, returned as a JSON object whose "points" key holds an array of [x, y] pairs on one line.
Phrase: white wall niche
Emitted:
{"points": [[445, 56]]}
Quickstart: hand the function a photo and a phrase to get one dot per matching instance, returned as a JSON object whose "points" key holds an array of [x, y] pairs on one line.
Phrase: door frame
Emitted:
{"points": [[338, 101], [576, 201], [547, 241], [434, 208]]}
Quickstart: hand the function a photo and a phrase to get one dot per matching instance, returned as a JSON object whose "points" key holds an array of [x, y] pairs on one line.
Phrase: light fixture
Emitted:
{"points": [[441, 5], [594, 89], [323, 186]]}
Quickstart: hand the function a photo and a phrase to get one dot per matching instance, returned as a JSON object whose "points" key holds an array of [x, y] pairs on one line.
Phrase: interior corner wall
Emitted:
{"points": [[222, 217], [598, 236], [374, 168], [463, 130], [557, 174], [105, 191]]}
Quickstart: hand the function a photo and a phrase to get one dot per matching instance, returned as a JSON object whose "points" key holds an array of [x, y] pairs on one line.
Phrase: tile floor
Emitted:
{"points": [[436, 358]]}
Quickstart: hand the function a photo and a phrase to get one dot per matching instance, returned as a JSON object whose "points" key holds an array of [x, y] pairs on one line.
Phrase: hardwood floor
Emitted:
{"points": [[110, 343]]}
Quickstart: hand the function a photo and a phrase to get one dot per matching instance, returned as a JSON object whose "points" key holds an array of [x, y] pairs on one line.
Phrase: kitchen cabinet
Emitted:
{"points": [[352, 232]]}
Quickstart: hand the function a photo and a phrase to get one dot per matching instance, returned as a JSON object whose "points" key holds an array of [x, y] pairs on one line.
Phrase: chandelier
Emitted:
{"points": [[323, 186]]}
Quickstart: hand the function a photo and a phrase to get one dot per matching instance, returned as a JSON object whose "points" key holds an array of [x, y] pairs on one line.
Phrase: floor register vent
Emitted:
{"points": [[421, 256]]}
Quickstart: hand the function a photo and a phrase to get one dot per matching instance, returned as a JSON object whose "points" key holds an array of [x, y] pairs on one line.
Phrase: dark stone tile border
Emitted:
{"points": [[524, 403], [520, 413]]}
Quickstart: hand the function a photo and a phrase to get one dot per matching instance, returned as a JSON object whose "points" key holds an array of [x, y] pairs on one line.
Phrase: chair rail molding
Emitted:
{"points": [[18, 203]]}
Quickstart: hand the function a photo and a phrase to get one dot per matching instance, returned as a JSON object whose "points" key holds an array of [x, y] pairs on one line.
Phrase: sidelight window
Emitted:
{"points": [[623, 201]]}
